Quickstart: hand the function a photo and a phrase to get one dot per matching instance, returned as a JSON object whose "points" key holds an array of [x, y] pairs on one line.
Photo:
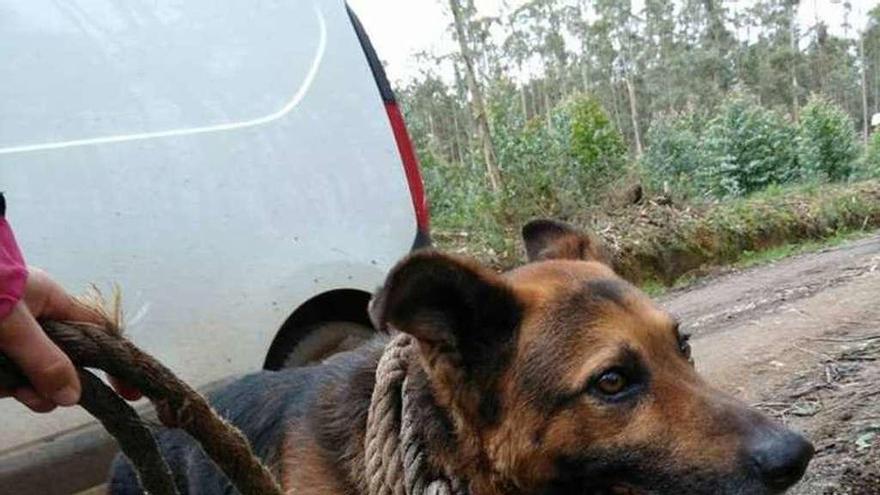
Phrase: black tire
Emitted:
{"points": [[322, 340]]}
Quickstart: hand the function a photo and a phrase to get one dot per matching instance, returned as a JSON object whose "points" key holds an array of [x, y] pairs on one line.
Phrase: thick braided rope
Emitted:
{"points": [[178, 405], [396, 462], [384, 468]]}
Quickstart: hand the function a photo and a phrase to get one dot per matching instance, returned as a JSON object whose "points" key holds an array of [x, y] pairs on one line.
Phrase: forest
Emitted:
{"points": [[579, 108]]}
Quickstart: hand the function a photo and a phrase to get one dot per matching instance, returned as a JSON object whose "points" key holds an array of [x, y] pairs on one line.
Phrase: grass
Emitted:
{"points": [[751, 258], [659, 245], [653, 288]]}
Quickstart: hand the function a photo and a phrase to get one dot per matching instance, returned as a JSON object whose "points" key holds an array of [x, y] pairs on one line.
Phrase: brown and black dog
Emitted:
{"points": [[556, 377]]}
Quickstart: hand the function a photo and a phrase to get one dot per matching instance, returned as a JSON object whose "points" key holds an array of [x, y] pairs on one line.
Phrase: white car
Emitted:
{"points": [[240, 169]]}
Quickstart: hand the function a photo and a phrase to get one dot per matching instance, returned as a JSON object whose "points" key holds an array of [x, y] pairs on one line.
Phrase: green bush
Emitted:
{"points": [[594, 143], [870, 166], [748, 149], [675, 153], [552, 169], [742, 149], [559, 167], [827, 143], [529, 157]]}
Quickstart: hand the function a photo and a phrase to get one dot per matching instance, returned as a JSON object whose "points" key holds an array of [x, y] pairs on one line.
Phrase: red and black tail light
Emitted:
{"points": [[410, 166], [401, 136]]}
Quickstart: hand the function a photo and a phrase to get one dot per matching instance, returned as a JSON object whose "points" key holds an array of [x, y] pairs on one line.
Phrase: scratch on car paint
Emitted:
{"points": [[189, 131]]}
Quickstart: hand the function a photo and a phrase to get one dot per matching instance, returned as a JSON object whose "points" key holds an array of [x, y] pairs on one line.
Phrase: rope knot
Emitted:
{"points": [[396, 462]]}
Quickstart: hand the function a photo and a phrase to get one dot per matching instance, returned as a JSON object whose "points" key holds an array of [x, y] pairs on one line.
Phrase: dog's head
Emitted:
{"points": [[560, 377]]}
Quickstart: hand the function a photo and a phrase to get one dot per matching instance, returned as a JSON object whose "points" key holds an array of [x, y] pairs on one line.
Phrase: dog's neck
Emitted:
{"points": [[341, 421]]}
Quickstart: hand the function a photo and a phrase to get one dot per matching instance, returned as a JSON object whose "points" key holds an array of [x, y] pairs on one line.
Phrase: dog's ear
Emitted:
{"points": [[451, 305], [549, 240]]}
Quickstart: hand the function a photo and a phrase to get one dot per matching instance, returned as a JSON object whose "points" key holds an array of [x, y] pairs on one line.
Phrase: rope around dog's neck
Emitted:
{"points": [[396, 462]]}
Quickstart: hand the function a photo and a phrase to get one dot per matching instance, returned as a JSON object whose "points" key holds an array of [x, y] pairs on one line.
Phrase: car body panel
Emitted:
{"points": [[222, 163]]}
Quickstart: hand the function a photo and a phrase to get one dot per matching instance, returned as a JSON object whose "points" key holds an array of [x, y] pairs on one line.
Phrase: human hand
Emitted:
{"points": [[49, 370]]}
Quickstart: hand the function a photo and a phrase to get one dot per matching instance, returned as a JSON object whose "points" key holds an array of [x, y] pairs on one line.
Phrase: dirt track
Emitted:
{"points": [[800, 338]]}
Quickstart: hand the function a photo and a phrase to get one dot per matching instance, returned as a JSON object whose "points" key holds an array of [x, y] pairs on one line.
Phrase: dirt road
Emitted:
{"points": [[800, 338]]}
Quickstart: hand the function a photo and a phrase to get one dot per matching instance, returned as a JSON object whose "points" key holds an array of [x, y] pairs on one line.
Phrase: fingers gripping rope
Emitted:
{"points": [[179, 406], [396, 462]]}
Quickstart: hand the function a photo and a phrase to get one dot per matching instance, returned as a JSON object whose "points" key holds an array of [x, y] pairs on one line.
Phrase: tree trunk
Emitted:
{"points": [[615, 107], [585, 50], [585, 76], [876, 77], [456, 139], [634, 114], [467, 110], [432, 131], [792, 21], [548, 116], [865, 123], [876, 85], [477, 100]]}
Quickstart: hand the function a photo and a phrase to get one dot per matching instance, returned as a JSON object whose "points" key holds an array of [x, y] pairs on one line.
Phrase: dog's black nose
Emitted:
{"points": [[781, 457]]}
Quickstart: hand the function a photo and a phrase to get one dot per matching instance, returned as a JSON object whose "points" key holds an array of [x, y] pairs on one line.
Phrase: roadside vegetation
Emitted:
{"points": [[660, 244], [687, 135]]}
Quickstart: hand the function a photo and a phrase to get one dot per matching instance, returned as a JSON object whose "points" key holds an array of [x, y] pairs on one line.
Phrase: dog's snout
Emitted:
{"points": [[781, 457]]}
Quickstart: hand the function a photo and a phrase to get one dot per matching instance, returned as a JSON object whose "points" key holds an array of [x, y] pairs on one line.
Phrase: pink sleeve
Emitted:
{"points": [[13, 271]]}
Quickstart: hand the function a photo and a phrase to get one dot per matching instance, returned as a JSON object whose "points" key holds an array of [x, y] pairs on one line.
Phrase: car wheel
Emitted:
{"points": [[322, 340]]}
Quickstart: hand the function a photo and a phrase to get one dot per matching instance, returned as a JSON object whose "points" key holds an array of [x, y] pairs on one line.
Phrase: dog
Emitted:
{"points": [[557, 377]]}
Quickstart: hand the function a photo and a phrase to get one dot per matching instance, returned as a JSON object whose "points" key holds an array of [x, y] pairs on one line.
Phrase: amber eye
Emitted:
{"points": [[611, 383]]}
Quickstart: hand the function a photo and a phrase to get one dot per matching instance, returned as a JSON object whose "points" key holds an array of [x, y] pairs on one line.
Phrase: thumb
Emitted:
{"points": [[49, 370], [46, 299]]}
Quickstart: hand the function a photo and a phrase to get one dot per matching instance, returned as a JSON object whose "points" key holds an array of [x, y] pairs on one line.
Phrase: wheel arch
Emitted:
{"points": [[335, 305]]}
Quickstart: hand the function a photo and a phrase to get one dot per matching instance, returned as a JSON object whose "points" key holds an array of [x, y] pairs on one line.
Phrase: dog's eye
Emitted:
{"points": [[611, 383]]}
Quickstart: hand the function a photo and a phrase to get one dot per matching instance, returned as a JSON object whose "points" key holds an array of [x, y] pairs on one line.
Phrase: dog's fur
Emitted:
{"points": [[511, 389]]}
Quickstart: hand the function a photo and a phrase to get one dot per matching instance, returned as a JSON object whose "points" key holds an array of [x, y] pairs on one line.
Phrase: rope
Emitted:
{"points": [[178, 405], [396, 462]]}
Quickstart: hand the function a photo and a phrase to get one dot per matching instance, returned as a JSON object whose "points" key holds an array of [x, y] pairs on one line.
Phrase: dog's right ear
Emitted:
{"points": [[550, 240], [451, 305]]}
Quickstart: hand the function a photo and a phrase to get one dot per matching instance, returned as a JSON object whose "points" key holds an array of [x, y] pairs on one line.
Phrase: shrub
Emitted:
{"points": [[528, 156], [748, 148], [593, 142], [675, 153], [662, 244], [870, 166], [827, 143], [557, 168], [551, 169]]}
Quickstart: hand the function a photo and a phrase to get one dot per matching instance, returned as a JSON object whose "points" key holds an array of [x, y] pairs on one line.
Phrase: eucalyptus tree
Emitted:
{"points": [[870, 38], [541, 25], [617, 22], [460, 18], [662, 57]]}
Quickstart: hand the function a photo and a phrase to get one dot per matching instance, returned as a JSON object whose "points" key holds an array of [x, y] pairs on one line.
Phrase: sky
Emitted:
{"points": [[401, 28]]}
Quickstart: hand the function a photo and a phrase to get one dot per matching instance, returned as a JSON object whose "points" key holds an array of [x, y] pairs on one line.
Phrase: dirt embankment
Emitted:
{"points": [[662, 242], [659, 241], [801, 339]]}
